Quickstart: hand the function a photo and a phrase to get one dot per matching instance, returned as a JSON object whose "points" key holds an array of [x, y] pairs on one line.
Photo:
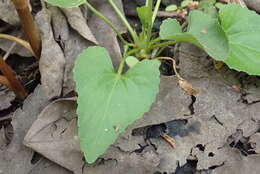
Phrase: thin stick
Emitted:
{"points": [[169, 140], [29, 28], [6, 117], [123, 19], [156, 8], [106, 20], [11, 48], [16, 86], [5, 82], [23, 43]]}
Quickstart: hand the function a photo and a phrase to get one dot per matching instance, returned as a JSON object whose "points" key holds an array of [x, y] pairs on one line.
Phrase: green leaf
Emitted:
{"points": [[171, 8], [203, 31], [169, 28], [66, 3], [108, 102], [131, 61], [242, 27], [145, 14], [219, 5], [185, 3], [208, 7]]}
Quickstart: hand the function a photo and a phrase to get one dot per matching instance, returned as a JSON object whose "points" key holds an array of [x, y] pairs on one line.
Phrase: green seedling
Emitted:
{"points": [[109, 100], [183, 5]]}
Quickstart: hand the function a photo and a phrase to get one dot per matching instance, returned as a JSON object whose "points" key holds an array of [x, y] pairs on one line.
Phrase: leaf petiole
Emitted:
{"points": [[126, 54], [163, 44], [123, 19], [98, 14], [156, 8]]}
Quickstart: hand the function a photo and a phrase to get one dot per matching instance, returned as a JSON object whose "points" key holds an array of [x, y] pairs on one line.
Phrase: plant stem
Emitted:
{"points": [[29, 28], [156, 8], [98, 14], [5, 82], [126, 54], [164, 44], [147, 2], [158, 39], [123, 19], [16, 86]]}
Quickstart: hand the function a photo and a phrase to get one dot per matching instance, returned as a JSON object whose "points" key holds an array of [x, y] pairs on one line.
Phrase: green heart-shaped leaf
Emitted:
{"points": [[242, 27], [203, 31], [108, 102], [66, 3]]}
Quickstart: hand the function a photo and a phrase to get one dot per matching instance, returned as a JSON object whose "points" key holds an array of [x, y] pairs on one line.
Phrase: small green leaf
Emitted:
{"points": [[131, 61], [169, 28], [108, 102], [145, 14], [219, 5], [171, 8], [208, 7], [66, 3], [185, 3], [242, 27], [203, 31]]}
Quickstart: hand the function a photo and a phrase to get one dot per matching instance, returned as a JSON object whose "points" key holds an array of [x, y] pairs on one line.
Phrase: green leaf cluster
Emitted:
{"points": [[233, 37], [109, 100]]}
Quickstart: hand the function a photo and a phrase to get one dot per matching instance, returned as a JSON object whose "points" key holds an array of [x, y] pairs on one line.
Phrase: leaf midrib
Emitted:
{"points": [[118, 77]]}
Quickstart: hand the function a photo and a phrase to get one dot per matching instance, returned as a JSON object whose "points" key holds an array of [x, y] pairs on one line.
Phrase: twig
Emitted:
{"points": [[29, 28], [11, 48], [169, 140], [6, 117], [18, 40], [16, 86], [5, 82]]}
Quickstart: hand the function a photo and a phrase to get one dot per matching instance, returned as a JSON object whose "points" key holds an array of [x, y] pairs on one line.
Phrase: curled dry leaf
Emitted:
{"points": [[218, 64], [52, 61], [59, 24], [78, 23], [187, 87]]}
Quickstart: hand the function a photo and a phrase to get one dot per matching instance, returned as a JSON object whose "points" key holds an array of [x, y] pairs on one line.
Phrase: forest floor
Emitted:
{"points": [[216, 131]]}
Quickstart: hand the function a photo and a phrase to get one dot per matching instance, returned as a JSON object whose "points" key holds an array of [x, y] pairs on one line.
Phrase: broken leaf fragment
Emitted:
{"points": [[108, 102], [218, 64], [187, 87]]}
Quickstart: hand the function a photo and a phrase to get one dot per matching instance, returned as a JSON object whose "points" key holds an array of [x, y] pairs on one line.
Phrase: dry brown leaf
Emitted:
{"points": [[218, 64], [52, 61], [78, 22], [8, 13], [237, 88], [187, 87]]}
